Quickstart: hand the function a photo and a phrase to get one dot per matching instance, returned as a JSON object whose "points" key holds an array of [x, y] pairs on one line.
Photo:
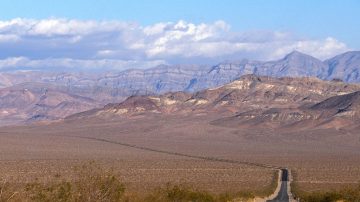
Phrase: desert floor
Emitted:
{"points": [[319, 160]]}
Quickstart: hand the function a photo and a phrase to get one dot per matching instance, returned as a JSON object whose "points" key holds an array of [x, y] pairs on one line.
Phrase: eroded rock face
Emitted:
{"points": [[254, 101]]}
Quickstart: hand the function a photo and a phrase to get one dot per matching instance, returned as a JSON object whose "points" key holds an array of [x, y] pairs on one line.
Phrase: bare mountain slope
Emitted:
{"points": [[339, 112], [345, 66], [295, 64], [35, 101], [249, 101]]}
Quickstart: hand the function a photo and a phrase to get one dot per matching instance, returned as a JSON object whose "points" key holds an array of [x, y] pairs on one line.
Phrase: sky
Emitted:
{"points": [[119, 34]]}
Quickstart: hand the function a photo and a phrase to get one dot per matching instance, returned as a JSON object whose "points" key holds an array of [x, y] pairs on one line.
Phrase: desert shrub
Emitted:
{"points": [[7, 192], [179, 193], [225, 197], [61, 192], [272, 187], [183, 193], [95, 184], [322, 197], [91, 183], [351, 194]]}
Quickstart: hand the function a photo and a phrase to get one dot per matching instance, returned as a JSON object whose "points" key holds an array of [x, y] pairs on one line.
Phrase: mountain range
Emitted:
{"points": [[251, 101], [38, 95]]}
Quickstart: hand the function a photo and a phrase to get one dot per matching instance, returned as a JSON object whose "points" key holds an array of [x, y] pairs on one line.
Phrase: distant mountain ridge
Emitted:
{"points": [[345, 66], [68, 90], [191, 78]]}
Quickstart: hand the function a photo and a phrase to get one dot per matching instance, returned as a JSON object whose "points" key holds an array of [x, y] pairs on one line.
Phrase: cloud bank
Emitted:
{"points": [[67, 43]]}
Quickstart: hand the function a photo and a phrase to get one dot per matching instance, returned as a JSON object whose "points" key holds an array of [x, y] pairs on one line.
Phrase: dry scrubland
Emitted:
{"points": [[320, 160], [48, 154], [92, 182], [142, 176]]}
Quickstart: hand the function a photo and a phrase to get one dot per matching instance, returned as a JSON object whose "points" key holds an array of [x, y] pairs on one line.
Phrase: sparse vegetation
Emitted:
{"points": [[179, 193], [185, 193], [270, 189], [7, 192], [348, 194], [93, 183]]}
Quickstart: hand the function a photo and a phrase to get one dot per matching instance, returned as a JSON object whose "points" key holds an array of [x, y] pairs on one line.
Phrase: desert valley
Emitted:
{"points": [[219, 139], [179, 101]]}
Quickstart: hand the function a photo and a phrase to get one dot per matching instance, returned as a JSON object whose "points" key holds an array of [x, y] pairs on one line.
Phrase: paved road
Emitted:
{"points": [[282, 195]]}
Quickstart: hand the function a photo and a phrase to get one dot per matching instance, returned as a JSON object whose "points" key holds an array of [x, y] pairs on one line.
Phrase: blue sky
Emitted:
{"points": [[338, 18], [321, 27]]}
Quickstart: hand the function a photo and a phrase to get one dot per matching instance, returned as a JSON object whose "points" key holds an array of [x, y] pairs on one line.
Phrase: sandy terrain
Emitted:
{"points": [[319, 159]]}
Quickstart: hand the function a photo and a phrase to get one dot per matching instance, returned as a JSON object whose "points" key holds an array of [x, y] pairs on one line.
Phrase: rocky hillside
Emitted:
{"points": [[251, 100], [340, 106], [30, 102]]}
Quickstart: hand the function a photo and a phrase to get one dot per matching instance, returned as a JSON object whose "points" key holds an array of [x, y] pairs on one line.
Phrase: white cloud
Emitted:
{"points": [[322, 49], [12, 62], [8, 38], [87, 41], [158, 28], [49, 63], [60, 26]]}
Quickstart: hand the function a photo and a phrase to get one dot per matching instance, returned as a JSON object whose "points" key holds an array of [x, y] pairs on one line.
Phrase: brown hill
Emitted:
{"points": [[248, 101], [340, 112], [340, 104], [35, 101]]}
